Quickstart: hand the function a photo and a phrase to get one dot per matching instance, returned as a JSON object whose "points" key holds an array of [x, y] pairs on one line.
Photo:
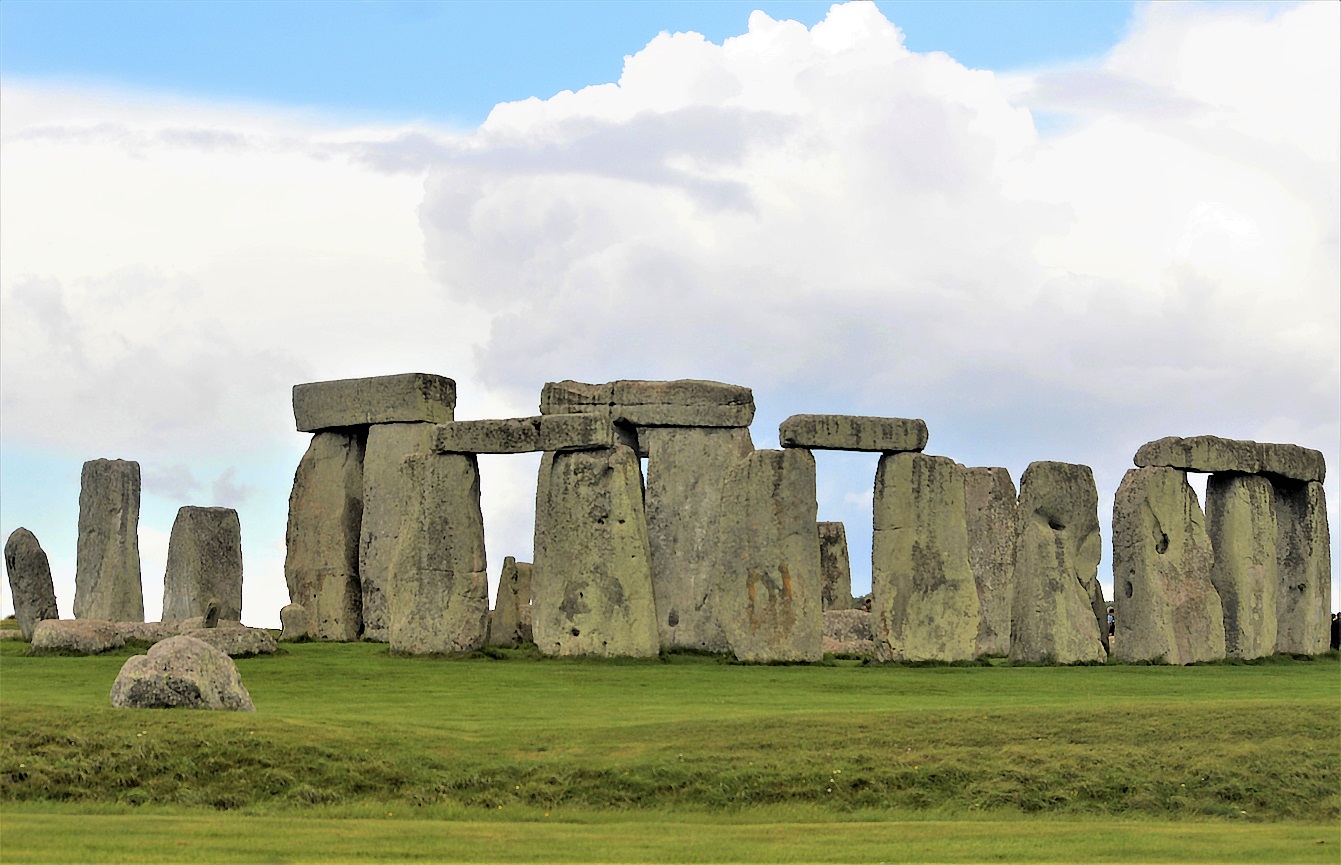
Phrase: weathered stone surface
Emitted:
{"points": [[924, 599], [107, 563], [1215, 454], [686, 470], [516, 435], [149, 632], [405, 398], [835, 569], [686, 402], [1163, 599], [181, 672], [321, 565], [1058, 606], [86, 636], [583, 432], [993, 525], [439, 591], [383, 503], [844, 432], [30, 586], [847, 626], [204, 562], [1241, 522], [235, 639], [767, 596], [292, 622], [211, 616], [1303, 568], [510, 624], [592, 575]]}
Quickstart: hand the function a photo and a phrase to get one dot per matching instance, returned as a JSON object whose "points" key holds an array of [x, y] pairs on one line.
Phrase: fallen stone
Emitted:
{"points": [[509, 625], [517, 435], [181, 672], [405, 398], [686, 402], [1164, 602], [147, 632], [993, 526], [293, 623], [843, 432], [30, 587], [1241, 522], [204, 562], [235, 639], [847, 626], [1215, 454], [85, 636], [1303, 568], [835, 569], [107, 562]]}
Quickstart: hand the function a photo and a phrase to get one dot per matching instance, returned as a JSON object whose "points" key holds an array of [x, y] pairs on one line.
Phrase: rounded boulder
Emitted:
{"points": [[181, 672]]}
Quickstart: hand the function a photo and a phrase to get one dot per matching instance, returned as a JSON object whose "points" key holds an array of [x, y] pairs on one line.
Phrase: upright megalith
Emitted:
{"points": [[924, 598], [30, 585], [835, 568], [767, 596], [204, 563], [510, 624], [321, 564], [592, 575], [107, 563], [1241, 522], [1164, 602], [993, 525], [1058, 606], [439, 599], [1303, 567], [414, 397]]}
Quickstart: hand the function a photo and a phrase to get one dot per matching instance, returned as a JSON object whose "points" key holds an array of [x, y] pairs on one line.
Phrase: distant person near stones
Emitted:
{"points": [[1111, 623]]}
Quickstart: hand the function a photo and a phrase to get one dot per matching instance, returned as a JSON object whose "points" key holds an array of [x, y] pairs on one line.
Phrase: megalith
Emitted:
{"points": [[835, 568], [510, 624], [841, 432], [1241, 522], [1165, 605], [439, 598], [1058, 612], [30, 586], [1215, 454], [1303, 567], [293, 622], [993, 525], [181, 672], [768, 597], [321, 564], [924, 598], [413, 397], [107, 562], [592, 576], [204, 563]]}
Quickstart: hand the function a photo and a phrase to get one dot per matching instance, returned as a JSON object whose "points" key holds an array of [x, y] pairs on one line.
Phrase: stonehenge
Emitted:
{"points": [[204, 562], [993, 522], [107, 566], [181, 672], [835, 567], [510, 622], [29, 581]]}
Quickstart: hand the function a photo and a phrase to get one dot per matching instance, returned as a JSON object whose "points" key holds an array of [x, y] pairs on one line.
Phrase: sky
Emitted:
{"points": [[1054, 231]]}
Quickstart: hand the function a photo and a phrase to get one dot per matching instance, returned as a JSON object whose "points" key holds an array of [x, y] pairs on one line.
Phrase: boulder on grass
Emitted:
{"points": [[236, 640], [82, 636], [181, 672]]}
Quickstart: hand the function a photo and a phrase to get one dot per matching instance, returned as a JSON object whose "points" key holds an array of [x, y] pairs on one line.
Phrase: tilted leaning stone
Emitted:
{"points": [[842, 432], [835, 569], [1164, 603], [1215, 454], [181, 672], [924, 599], [204, 562], [30, 586], [107, 564], [993, 526], [1303, 568], [405, 398], [1241, 522], [686, 402], [510, 624]]}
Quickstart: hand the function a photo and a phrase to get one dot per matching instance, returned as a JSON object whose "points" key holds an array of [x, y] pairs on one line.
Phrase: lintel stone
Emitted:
{"points": [[684, 402], [1215, 454], [582, 432], [405, 398], [842, 432], [517, 435]]}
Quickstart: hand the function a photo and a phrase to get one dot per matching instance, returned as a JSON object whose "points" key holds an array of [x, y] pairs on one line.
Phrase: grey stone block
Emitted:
{"points": [[842, 432], [107, 564], [685, 402], [1303, 568], [583, 432], [30, 586], [993, 525], [405, 398], [1241, 522], [835, 567], [1215, 454], [182, 672], [510, 624], [506, 436], [204, 562]]}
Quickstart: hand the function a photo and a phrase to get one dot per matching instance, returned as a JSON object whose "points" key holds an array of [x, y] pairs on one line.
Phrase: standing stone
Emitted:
{"points": [[321, 565], [993, 525], [1058, 613], [387, 447], [1163, 599], [107, 563], [686, 472], [592, 575], [835, 569], [768, 594], [29, 581], [204, 562], [510, 624], [924, 599], [293, 622], [1304, 568], [1241, 521], [439, 589]]}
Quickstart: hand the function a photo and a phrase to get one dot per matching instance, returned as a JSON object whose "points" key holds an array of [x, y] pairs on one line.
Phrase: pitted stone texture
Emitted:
{"points": [[293, 622], [993, 525], [583, 432], [439, 589], [1241, 522], [85, 636], [1163, 599], [321, 566], [235, 639], [767, 596], [1058, 605], [592, 575], [835, 569], [510, 624], [181, 673], [383, 502], [107, 564], [847, 626], [149, 632], [844, 432], [413, 397], [516, 435], [1304, 568], [204, 562], [924, 599], [686, 402], [30, 586], [686, 471], [1215, 454]]}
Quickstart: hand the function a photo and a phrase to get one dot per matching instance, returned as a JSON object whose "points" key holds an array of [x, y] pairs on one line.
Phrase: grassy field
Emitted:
{"points": [[356, 755]]}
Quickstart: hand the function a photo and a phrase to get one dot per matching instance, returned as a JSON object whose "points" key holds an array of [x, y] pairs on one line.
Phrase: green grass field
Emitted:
{"points": [[355, 755]]}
